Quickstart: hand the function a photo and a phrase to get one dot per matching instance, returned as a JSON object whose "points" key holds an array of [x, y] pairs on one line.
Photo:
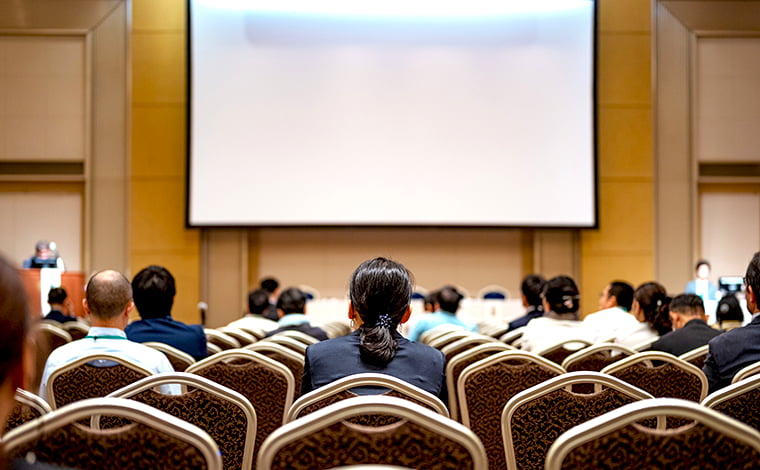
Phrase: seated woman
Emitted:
{"points": [[651, 308], [380, 291], [729, 313]]}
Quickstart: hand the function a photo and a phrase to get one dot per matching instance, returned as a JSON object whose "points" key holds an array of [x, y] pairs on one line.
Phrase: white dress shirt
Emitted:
{"points": [[612, 324], [543, 332], [255, 322]]}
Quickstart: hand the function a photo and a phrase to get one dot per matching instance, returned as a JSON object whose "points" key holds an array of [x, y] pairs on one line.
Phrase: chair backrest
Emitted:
{"points": [[310, 292], [243, 337], [534, 418], [298, 336], [257, 333], [486, 386], [290, 343], [740, 401], [154, 440], [226, 415], [267, 384], [448, 338], [558, 352], [213, 349], [223, 340], [644, 345], [341, 390], [511, 336], [615, 440], [421, 439], [458, 363], [77, 329], [437, 331], [697, 356], [48, 336], [26, 407], [596, 357], [335, 328], [293, 360], [750, 370], [180, 360], [468, 342], [493, 329], [91, 376], [672, 377], [494, 292]]}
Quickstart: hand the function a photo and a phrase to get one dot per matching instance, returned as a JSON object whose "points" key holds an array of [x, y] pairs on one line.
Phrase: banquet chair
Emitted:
{"points": [[740, 401], [226, 415], [293, 344], [298, 336], [450, 337], [558, 352], [243, 337], [464, 344], [77, 329], [511, 336], [153, 440], [383, 384], [48, 336], [645, 345], [696, 356], [493, 292], [485, 387], [439, 330], [493, 329], [26, 407], [180, 360], [596, 357], [616, 440], [310, 292], [213, 349], [534, 418], [222, 340], [292, 360], [748, 371], [421, 439]]}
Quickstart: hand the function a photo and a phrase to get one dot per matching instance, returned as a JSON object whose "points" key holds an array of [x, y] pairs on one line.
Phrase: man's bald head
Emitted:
{"points": [[108, 294]]}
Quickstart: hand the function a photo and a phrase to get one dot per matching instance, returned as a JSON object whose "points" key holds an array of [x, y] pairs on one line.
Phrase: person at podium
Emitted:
{"points": [[45, 256]]}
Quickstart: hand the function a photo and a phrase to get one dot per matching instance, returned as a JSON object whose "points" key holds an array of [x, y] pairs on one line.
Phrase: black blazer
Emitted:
{"points": [[731, 352], [692, 335], [418, 364]]}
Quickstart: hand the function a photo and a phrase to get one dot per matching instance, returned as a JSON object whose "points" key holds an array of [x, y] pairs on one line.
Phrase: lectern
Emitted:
{"points": [[73, 282]]}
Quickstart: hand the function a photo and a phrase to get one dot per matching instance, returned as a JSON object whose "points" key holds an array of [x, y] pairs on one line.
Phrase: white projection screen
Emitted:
{"points": [[382, 119]]}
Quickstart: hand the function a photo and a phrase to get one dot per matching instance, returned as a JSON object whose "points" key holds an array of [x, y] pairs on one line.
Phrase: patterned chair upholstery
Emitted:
{"points": [[448, 338], [180, 360], [341, 390], [290, 343], [749, 371], [534, 418], [560, 351], [696, 357], [327, 439], [91, 376], [278, 352], [596, 357], [221, 340], [615, 440], [486, 386], [461, 345], [154, 440], [26, 407], [77, 329], [266, 383], [740, 401], [227, 416], [457, 364]]}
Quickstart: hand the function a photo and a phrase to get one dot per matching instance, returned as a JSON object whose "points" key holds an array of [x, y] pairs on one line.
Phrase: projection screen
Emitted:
{"points": [[375, 117]]}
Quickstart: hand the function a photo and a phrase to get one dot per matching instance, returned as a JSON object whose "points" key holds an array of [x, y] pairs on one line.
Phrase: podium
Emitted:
{"points": [[72, 282]]}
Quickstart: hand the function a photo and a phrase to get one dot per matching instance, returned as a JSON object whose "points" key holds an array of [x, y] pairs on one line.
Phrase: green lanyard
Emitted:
{"points": [[105, 337]]}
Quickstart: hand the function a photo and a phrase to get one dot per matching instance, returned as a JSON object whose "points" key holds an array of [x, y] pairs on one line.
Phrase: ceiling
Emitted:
{"points": [[717, 16], [68, 15]]}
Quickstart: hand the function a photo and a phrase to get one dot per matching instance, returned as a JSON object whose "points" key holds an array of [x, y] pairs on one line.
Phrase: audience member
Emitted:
{"points": [[45, 256], [740, 347], [272, 287], [108, 301], [291, 308], [702, 286], [154, 292], [60, 306], [690, 328], [532, 287], [729, 314], [448, 300], [613, 319], [431, 302], [651, 307], [258, 302], [560, 321], [380, 291]]}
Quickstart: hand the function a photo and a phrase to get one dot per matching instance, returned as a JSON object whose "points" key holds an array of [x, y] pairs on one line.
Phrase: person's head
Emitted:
{"points": [[291, 300], [57, 296], [752, 283], [729, 309], [449, 299], [154, 290], [43, 250], [561, 295], [431, 301], [702, 269], [108, 299], [532, 287], [270, 285], [651, 304], [380, 291], [258, 301], [617, 294], [684, 308]]}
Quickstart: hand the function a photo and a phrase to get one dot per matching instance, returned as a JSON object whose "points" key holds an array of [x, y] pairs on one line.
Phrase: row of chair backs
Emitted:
{"points": [[27, 407]]}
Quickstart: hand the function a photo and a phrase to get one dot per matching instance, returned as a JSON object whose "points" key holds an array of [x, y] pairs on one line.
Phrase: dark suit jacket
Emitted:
{"points": [[692, 335], [57, 315], [523, 320], [731, 352], [188, 338], [416, 363]]}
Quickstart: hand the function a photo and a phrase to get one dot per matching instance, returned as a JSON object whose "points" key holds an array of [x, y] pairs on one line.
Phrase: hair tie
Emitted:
{"points": [[659, 303], [567, 301], [384, 321]]}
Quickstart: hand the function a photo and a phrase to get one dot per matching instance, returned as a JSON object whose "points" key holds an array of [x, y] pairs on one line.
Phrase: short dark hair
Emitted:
{"points": [[729, 309], [431, 298], [561, 293], [623, 293], [688, 304], [154, 292], [14, 320], [752, 276], [57, 295], [258, 301], [532, 287], [269, 284], [449, 298], [291, 300], [108, 293], [700, 263]]}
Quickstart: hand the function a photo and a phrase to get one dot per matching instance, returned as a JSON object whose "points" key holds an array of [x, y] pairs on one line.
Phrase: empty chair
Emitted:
{"points": [[468, 342], [180, 360], [48, 337], [448, 338], [615, 440], [645, 345], [226, 415], [293, 360], [258, 333], [298, 336], [335, 328], [243, 337], [749, 371], [696, 356], [486, 386], [421, 439], [558, 352], [77, 329], [596, 357], [153, 440], [289, 342], [511, 336], [439, 330], [27, 406], [213, 349], [494, 330], [222, 340], [739, 401], [493, 292], [341, 389], [534, 418]]}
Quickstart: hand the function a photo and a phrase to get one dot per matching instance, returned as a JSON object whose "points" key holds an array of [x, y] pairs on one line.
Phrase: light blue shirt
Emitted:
{"points": [[432, 320], [115, 343], [293, 319]]}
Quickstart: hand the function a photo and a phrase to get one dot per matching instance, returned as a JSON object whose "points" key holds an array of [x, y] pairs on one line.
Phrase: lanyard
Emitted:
{"points": [[105, 337]]}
